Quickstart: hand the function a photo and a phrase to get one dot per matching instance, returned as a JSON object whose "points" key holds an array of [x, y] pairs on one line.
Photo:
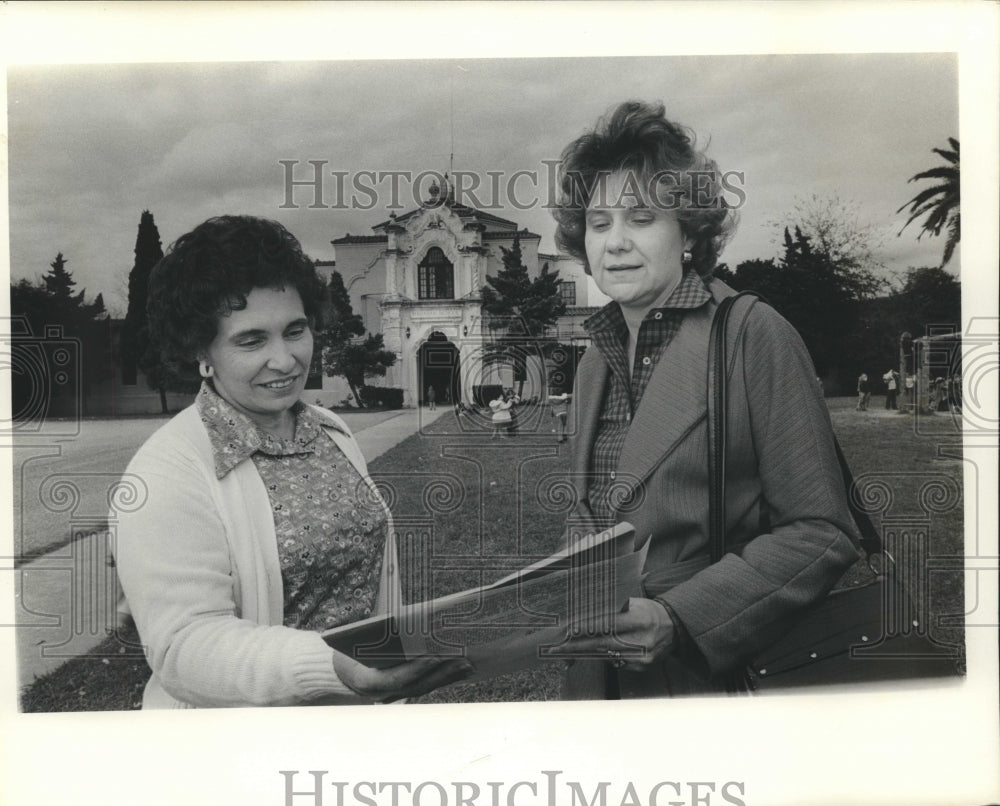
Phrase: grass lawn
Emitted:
{"points": [[470, 508]]}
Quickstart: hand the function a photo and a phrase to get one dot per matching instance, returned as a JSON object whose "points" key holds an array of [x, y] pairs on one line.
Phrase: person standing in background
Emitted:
{"points": [[500, 418], [864, 392], [891, 379], [560, 410]]}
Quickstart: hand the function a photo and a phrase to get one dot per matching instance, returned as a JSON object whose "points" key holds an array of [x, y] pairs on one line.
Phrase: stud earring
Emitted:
{"points": [[205, 370], [686, 257]]}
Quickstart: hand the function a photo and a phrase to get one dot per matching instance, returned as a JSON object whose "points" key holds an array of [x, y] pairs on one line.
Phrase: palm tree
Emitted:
{"points": [[940, 202]]}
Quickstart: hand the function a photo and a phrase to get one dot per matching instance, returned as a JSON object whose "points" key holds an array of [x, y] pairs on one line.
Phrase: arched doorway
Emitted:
{"points": [[438, 368]]}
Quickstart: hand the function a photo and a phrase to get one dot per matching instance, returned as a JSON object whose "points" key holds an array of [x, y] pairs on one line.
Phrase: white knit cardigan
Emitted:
{"points": [[198, 561]]}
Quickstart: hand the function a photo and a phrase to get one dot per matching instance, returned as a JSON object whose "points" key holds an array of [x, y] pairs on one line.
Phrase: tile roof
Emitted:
{"points": [[360, 239]]}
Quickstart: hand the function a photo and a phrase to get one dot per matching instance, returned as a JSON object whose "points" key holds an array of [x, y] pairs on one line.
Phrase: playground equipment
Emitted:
{"points": [[930, 368]]}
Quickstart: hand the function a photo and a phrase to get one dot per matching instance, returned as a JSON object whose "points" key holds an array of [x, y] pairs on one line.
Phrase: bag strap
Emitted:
{"points": [[871, 543], [718, 378]]}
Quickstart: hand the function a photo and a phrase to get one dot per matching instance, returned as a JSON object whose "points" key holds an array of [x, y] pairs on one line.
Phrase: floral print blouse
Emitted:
{"points": [[331, 531]]}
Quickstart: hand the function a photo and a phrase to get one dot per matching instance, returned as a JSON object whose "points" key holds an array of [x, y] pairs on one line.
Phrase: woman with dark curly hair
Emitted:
{"points": [[260, 527], [647, 214]]}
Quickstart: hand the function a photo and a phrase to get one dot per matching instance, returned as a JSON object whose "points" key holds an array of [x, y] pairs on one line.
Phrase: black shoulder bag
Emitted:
{"points": [[865, 632]]}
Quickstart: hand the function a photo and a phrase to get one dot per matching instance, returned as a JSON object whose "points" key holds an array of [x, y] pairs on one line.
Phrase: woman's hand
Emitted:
{"points": [[409, 679], [638, 638]]}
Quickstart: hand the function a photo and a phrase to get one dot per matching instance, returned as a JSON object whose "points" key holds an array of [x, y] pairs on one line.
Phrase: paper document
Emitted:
{"points": [[507, 625]]}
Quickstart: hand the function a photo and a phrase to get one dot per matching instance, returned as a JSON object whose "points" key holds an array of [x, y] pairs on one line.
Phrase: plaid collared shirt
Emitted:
{"points": [[609, 332]]}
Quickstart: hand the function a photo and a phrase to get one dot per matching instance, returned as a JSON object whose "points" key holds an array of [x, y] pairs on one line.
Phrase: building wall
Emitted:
{"points": [[571, 270], [380, 273], [362, 266], [405, 321]]}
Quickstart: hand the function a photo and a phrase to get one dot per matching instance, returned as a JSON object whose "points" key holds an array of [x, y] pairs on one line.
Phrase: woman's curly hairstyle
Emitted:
{"points": [[210, 271], [671, 173]]}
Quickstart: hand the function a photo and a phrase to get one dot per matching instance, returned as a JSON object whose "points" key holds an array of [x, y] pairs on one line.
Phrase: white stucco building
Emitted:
{"points": [[417, 278]]}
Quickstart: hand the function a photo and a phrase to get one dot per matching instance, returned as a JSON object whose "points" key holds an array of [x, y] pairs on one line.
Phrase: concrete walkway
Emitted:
{"points": [[378, 432], [65, 599]]}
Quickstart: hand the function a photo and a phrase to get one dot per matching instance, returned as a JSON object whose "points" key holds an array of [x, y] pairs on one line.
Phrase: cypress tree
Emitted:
{"points": [[519, 308]]}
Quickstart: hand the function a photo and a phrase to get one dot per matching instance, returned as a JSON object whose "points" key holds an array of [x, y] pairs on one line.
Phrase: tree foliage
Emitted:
{"points": [[928, 302], [359, 360], [517, 304], [341, 324], [339, 346], [65, 307], [846, 334], [519, 309], [850, 246], [136, 350], [830, 268], [941, 203], [59, 283], [805, 286], [148, 252], [49, 303], [930, 297]]}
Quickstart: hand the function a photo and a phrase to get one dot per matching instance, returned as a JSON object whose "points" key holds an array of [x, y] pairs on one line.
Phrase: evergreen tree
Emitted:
{"points": [[98, 311], [59, 283], [818, 302], [31, 302], [518, 304], [806, 288], [52, 301], [341, 323], [65, 307], [519, 308], [136, 351], [337, 342], [360, 360], [147, 254]]}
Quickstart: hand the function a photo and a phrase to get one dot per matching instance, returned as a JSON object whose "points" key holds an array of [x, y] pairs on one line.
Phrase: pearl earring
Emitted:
{"points": [[205, 370]]}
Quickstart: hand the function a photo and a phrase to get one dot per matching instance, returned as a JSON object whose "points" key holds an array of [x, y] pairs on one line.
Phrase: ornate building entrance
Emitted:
{"points": [[417, 280], [439, 368]]}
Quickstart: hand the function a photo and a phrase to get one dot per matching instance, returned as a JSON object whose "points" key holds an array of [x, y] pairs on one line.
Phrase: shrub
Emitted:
{"points": [[392, 398], [369, 396], [381, 397]]}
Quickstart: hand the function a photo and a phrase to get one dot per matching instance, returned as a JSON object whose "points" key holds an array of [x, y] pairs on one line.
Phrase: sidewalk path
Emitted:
{"points": [[63, 601], [386, 433]]}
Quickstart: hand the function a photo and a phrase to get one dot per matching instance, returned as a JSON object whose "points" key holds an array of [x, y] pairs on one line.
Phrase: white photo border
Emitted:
{"points": [[914, 744]]}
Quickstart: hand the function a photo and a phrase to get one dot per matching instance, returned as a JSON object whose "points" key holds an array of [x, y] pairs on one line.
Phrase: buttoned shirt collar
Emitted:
{"points": [[235, 437], [690, 293]]}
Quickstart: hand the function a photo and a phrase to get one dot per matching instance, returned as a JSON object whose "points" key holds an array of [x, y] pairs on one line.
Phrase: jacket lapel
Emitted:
{"points": [[585, 410], [674, 401]]}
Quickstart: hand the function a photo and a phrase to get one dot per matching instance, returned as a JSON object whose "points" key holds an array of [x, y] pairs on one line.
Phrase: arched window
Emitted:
{"points": [[436, 276]]}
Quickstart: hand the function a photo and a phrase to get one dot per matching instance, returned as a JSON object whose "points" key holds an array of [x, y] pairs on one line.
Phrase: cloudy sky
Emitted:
{"points": [[92, 146]]}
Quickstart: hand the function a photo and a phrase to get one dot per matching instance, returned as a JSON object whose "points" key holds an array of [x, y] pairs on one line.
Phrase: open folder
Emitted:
{"points": [[516, 622]]}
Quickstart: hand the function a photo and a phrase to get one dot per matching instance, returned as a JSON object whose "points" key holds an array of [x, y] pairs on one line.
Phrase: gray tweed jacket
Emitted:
{"points": [[787, 513]]}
